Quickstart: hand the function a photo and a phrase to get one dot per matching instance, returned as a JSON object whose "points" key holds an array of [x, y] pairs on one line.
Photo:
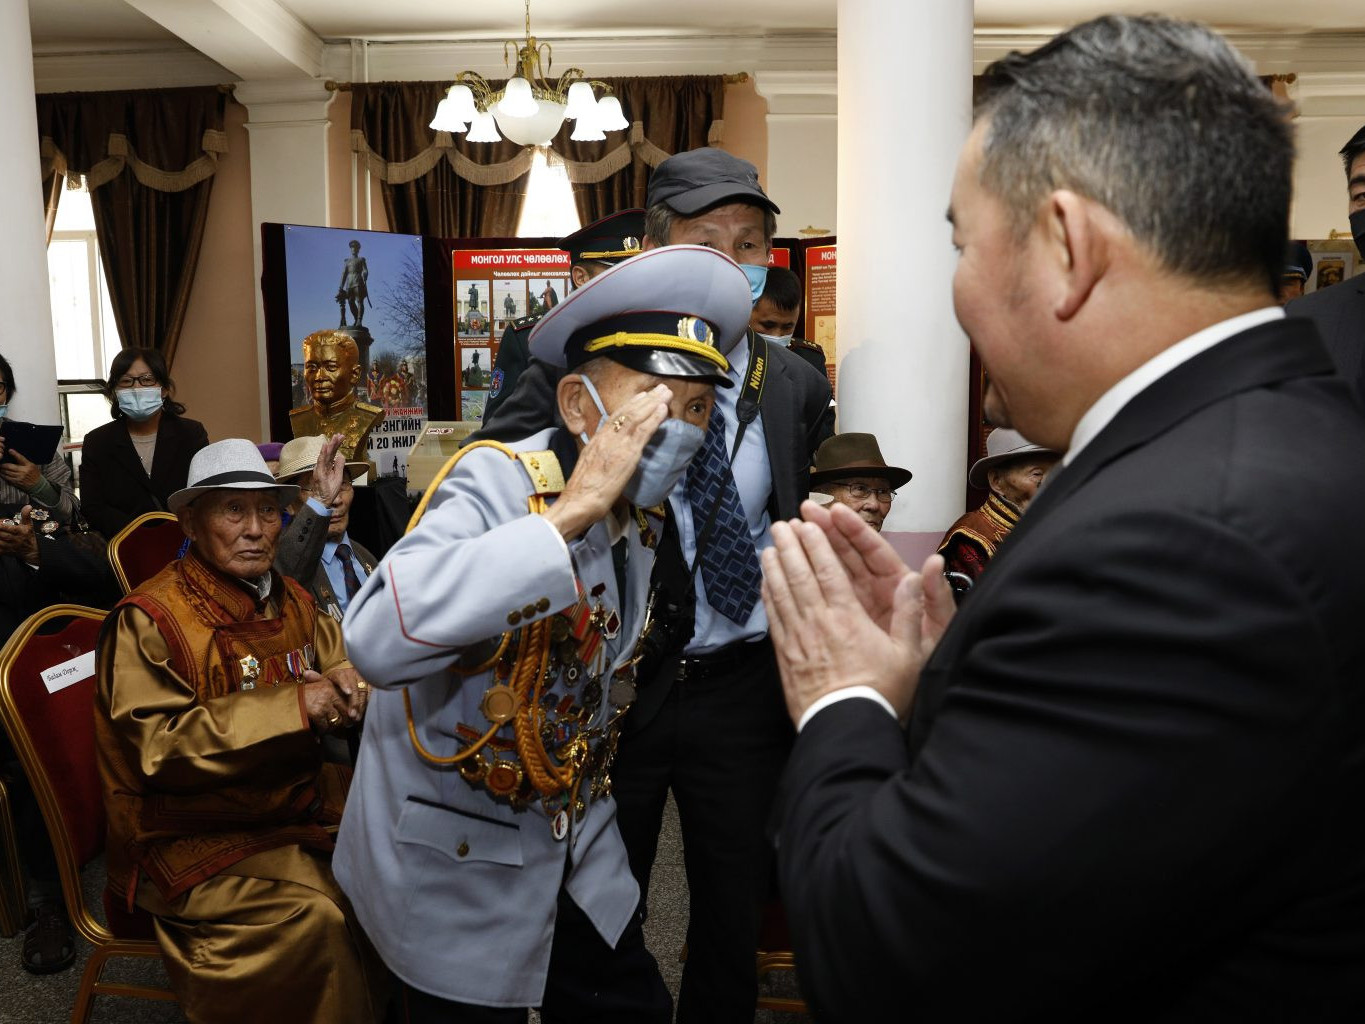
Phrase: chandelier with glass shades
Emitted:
{"points": [[530, 109]]}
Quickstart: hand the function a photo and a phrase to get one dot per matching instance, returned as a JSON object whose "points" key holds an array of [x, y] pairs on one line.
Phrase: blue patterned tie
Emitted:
{"points": [[729, 564]]}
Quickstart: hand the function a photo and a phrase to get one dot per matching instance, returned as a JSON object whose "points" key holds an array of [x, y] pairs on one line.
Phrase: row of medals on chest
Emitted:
{"points": [[577, 658]]}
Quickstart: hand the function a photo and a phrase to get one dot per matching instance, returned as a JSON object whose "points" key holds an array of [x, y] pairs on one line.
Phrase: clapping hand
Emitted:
{"points": [[844, 610]]}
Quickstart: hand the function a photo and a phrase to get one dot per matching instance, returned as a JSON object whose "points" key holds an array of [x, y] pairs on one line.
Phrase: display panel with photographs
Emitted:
{"points": [[367, 285], [493, 288]]}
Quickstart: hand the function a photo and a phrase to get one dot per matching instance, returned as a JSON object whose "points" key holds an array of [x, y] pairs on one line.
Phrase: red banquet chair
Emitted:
{"points": [[47, 693], [144, 547]]}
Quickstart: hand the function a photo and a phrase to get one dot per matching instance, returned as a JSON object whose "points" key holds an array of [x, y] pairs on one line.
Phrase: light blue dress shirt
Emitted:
{"points": [[754, 479]]}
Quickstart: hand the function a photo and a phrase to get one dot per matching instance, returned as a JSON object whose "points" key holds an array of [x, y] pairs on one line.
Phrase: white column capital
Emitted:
{"points": [[284, 101], [799, 93]]}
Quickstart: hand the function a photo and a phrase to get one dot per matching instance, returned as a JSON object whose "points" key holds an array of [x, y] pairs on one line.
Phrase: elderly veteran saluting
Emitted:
{"points": [[215, 679], [479, 845]]}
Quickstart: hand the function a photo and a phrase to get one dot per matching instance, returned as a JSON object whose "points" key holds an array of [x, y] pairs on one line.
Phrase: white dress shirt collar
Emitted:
{"points": [[1098, 416]]}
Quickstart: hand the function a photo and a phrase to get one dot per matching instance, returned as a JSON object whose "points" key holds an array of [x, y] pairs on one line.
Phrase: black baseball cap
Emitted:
{"points": [[699, 179]]}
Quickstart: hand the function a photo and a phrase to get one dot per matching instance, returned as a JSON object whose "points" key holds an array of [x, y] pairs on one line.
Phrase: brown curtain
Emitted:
{"points": [[667, 115], [52, 194], [148, 158], [435, 183]]}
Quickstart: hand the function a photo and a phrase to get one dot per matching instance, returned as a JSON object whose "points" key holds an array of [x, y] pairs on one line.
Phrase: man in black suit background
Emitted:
{"points": [[1131, 782], [1339, 311]]}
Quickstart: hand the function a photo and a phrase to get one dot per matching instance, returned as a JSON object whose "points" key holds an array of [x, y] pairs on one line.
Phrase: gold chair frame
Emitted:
{"points": [[116, 542], [106, 944]]}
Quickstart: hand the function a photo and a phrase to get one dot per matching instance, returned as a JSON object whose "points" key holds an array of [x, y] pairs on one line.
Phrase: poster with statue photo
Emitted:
{"points": [[366, 285], [491, 289]]}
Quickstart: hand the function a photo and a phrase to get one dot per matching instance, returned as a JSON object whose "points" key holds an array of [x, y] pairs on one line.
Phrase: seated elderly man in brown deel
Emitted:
{"points": [[850, 469], [215, 680], [1012, 469]]}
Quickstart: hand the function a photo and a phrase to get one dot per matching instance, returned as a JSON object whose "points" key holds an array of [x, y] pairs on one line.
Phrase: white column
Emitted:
{"points": [[803, 139], [27, 342], [905, 80], [287, 125]]}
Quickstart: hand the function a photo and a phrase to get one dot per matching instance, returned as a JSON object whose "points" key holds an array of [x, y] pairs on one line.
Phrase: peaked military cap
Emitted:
{"points": [[670, 312], [610, 240]]}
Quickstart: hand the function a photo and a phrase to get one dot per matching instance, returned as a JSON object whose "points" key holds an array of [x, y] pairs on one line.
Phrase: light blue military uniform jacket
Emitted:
{"points": [[457, 891]]}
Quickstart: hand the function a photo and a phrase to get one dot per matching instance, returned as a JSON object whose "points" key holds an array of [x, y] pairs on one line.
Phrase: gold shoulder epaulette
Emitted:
{"points": [[367, 407], [543, 467]]}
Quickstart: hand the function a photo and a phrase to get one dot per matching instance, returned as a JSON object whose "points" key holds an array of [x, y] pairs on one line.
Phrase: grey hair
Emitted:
{"points": [[1162, 123], [659, 220]]}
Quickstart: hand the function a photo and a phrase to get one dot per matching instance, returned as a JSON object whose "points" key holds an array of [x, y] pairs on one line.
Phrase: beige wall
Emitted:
{"points": [[746, 126], [215, 363]]}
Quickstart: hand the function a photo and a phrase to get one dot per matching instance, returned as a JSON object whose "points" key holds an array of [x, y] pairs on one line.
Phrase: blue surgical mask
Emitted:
{"points": [[758, 277], [139, 403], [663, 462], [3, 409], [785, 340]]}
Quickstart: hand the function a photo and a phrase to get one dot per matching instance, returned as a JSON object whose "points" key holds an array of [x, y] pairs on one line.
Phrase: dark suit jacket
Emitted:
{"points": [[1339, 312], [321, 587], [514, 354], [1135, 766], [115, 489], [65, 572]]}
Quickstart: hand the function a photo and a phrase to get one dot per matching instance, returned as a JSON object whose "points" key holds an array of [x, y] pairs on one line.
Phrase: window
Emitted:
{"points": [[84, 335], [549, 209], [82, 318]]}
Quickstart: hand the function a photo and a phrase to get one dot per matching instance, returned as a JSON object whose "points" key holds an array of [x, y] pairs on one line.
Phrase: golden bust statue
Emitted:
{"points": [[331, 370]]}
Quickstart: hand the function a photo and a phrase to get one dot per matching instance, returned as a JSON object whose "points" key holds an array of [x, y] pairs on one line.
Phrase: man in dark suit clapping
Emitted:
{"points": [[1131, 784]]}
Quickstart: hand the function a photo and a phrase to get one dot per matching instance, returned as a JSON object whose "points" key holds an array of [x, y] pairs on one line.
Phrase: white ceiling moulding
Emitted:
{"points": [[800, 94], [255, 39], [606, 57], [161, 67]]}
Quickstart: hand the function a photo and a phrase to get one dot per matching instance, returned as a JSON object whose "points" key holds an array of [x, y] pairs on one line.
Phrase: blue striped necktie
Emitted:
{"points": [[729, 562]]}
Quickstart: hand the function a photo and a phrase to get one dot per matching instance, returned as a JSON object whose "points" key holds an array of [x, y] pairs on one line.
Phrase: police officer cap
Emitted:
{"points": [[1298, 261], [699, 179], [670, 312], [610, 240]]}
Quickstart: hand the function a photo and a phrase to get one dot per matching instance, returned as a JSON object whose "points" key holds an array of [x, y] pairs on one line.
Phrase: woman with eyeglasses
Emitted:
{"points": [[46, 488], [134, 464]]}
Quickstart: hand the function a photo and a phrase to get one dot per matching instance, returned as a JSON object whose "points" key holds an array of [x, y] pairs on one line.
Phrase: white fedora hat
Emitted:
{"points": [[234, 464], [300, 456]]}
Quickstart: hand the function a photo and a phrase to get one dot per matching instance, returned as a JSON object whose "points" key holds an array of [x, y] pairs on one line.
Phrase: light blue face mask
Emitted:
{"points": [[785, 340], [664, 460], [3, 409], [758, 277], [139, 403]]}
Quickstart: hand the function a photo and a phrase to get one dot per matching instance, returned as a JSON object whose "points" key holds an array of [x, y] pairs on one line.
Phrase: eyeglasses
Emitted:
{"points": [[145, 381], [861, 492]]}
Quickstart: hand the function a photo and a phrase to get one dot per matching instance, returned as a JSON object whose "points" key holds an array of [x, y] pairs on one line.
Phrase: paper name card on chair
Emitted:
{"points": [[68, 673]]}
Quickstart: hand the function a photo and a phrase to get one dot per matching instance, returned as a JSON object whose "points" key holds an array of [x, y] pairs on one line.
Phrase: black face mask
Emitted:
{"points": [[1358, 230]]}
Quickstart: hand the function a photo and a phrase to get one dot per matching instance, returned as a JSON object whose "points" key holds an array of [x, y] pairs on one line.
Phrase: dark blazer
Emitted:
{"points": [[1339, 312], [115, 489], [321, 587], [1132, 784], [66, 572]]}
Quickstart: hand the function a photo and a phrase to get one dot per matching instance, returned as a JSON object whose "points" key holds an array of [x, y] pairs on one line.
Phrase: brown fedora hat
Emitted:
{"points": [[846, 455]]}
